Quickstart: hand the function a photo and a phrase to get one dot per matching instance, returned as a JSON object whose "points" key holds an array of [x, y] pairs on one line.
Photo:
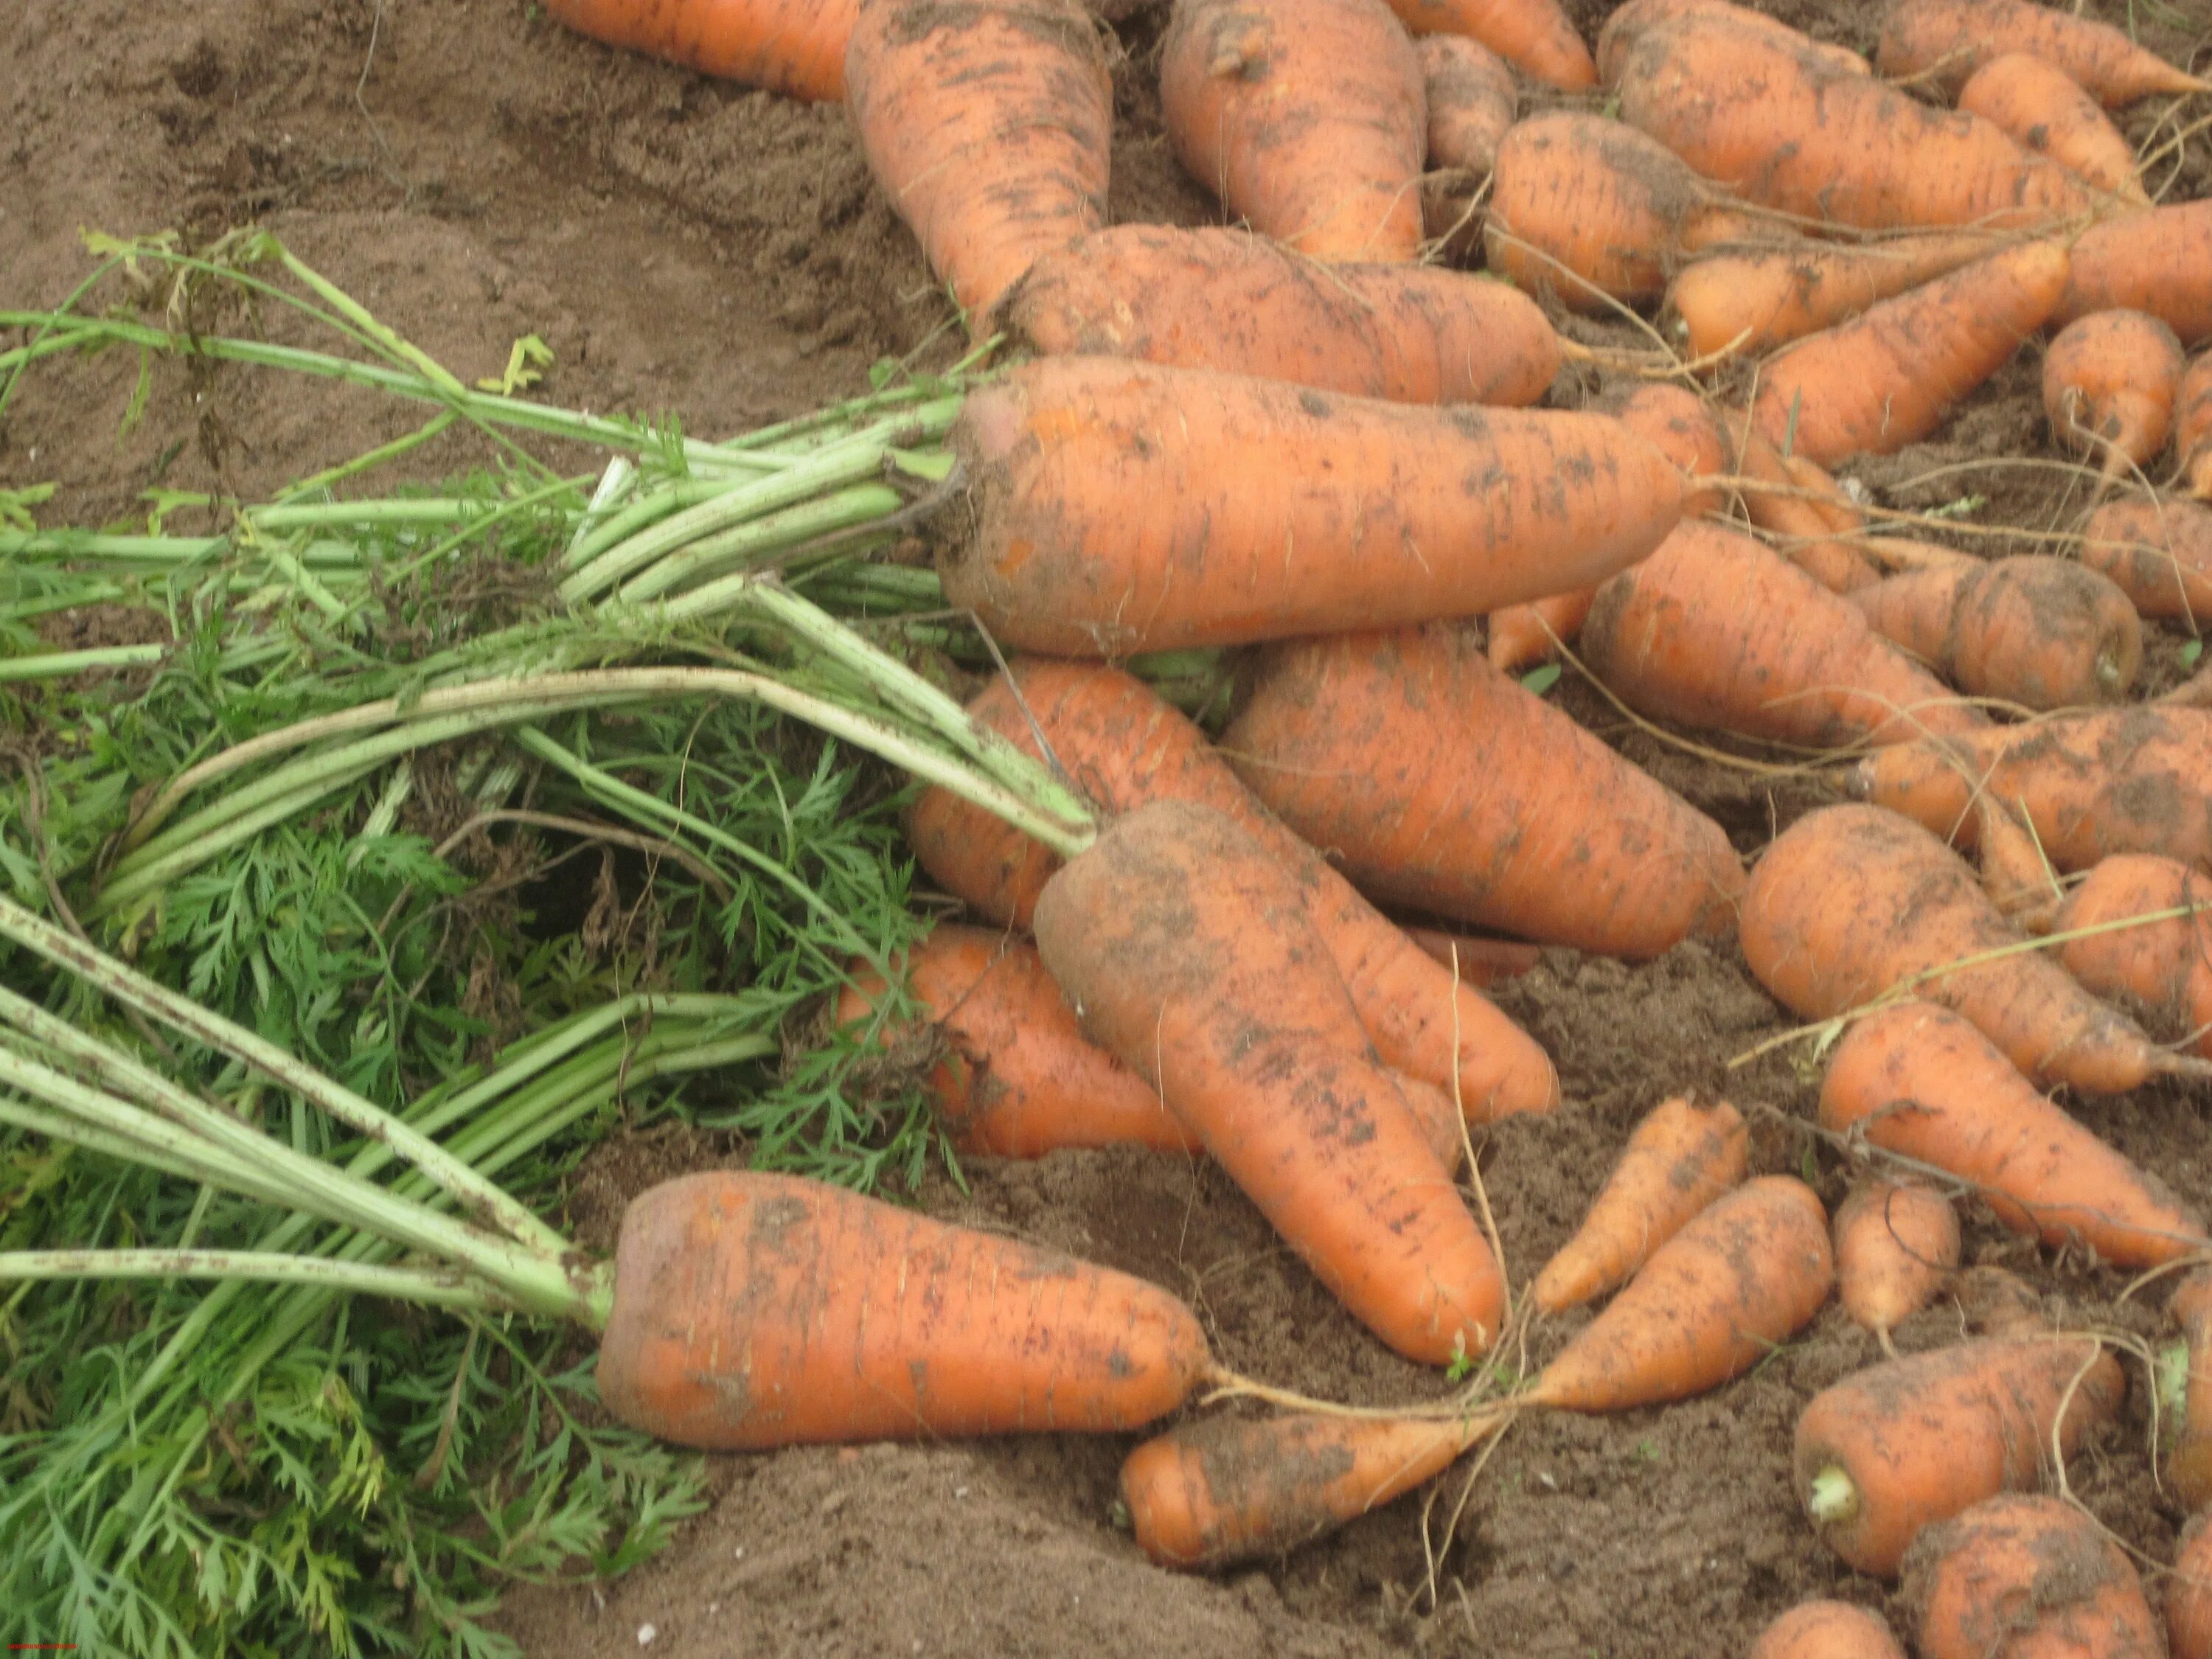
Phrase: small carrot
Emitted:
{"points": [[1996, 1301], [2152, 261], [1679, 1159], [1622, 27], [2017, 878], [1481, 962], [1945, 42], [1851, 903], [934, 91], [2164, 967], [1749, 302], [1229, 301], [2188, 1593], [2189, 1466], [1826, 1629], [2109, 382], [1305, 116], [1897, 1244], [1889, 377], [2192, 428], [1798, 503], [1901, 1446], [2029, 1576], [1435, 783], [1534, 36], [2159, 553], [793, 46], [757, 1310], [2044, 110], [1920, 1081], [1471, 99]]}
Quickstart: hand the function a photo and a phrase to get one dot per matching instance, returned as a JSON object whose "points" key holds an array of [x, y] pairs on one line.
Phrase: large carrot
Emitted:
{"points": [[2028, 1576], [2159, 262], [2044, 110], [1778, 125], [1715, 631], [1889, 377], [2189, 1596], [1826, 1629], [1124, 746], [2188, 1465], [1435, 783], [1188, 952], [1679, 1159], [2159, 553], [1897, 1243], [1116, 508], [1797, 501], [1757, 298], [1947, 40], [759, 1310], [1902, 1446], [1626, 22], [987, 125], [1225, 300], [1534, 36], [794, 47], [2109, 382], [1471, 99], [1920, 1081], [2192, 428], [2163, 966], [1854, 903], [1305, 116]]}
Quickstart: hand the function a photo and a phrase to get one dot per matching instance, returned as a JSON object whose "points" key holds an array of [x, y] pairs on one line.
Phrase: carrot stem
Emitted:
{"points": [[430, 1287], [1832, 1496]]}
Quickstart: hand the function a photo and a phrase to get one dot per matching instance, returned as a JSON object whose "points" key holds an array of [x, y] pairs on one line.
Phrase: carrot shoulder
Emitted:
{"points": [[794, 47]]}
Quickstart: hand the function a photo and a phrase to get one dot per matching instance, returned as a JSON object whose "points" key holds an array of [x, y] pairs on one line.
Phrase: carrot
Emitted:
{"points": [[2188, 1467], [1306, 118], [1187, 952], [2159, 261], [2043, 110], [2033, 1577], [1780, 127], [1895, 1448], [1534, 36], [1854, 903], [1826, 1629], [935, 90], [1437, 783], [1679, 1159], [1714, 630], [1228, 300], [2109, 381], [1125, 747], [1945, 42], [1481, 962], [2159, 553], [2189, 1595], [2192, 428], [792, 47], [1470, 100], [1796, 501], [1017, 1078], [1889, 377], [1996, 1303], [1920, 1081], [1897, 1243], [2017, 878], [2164, 967], [2117, 781], [2042, 632], [1759, 299], [1120, 507], [758, 1310], [1622, 27]]}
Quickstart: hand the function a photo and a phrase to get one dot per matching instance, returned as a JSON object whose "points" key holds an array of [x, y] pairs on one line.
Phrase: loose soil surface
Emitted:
{"points": [[474, 174]]}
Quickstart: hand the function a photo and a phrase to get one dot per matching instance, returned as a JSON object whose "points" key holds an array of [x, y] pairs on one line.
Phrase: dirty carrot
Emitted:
{"points": [[2017, 878], [1802, 507], [2043, 109], [1622, 27], [1481, 962], [793, 46], [2189, 1592], [1826, 1629], [2159, 553], [1947, 40], [2109, 384], [1897, 1245], [2030, 1576], [2162, 966], [2155, 262], [2192, 428], [1471, 99], [1754, 299], [2189, 1466], [1534, 36]]}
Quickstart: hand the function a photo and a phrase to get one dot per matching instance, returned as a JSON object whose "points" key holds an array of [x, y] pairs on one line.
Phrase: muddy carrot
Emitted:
{"points": [[1897, 1245], [2164, 967], [1534, 36], [2043, 109], [2029, 1576], [793, 46], [2192, 428], [1622, 27], [1802, 507], [1826, 1629], [1481, 962], [1757, 298], [2017, 878], [2159, 553], [2155, 262], [2189, 1466], [1945, 42], [1471, 99], [2109, 382], [2189, 1592]]}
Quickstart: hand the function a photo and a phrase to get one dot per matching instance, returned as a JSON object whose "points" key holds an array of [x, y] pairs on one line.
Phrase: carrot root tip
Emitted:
{"points": [[1832, 1499]]}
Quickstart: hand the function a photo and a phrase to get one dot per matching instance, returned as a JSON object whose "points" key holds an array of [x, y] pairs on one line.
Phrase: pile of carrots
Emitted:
{"points": [[1307, 438]]}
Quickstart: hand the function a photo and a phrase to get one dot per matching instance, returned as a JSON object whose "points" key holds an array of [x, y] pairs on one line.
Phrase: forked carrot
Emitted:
{"points": [[2109, 383], [1755, 300], [2030, 1576], [1947, 40], [2154, 262], [793, 46], [1826, 1629], [2164, 966], [2188, 1465], [1897, 1244], [1626, 22], [2044, 110], [1534, 36], [2159, 553]]}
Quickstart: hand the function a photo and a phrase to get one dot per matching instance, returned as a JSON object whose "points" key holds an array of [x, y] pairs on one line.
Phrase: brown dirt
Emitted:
{"points": [[474, 174]]}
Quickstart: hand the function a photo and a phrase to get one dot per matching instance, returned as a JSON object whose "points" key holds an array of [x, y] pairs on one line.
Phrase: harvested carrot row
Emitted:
{"points": [[1797, 501], [1124, 746], [793, 46], [1534, 36], [2159, 553], [1679, 1159], [1622, 27], [1228, 300], [1116, 508], [2189, 1595], [934, 91], [1947, 40], [1889, 377], [1757, 300], [1919, 1080], [2109, 383], [2164, 967], [2154, 262], [1305, 118], [1826, 1629], [2188, 1467], [2192, 428], [1471, 99], [2043, 109], [2028, 1576], [1435, 783], [1897, 1244]]}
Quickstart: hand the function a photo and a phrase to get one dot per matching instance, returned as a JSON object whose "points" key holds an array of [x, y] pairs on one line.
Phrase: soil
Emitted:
{"points": [[475, 174]]}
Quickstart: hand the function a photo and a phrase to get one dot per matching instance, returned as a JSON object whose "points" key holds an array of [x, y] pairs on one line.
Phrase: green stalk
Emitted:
{"points": [[647, 509], [752, 543], [369, 461], [431, 1287], [56, 665]]}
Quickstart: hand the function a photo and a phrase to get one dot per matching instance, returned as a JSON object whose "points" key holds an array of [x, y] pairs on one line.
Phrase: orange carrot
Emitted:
{"points": [[2017, 878], [1854, 903], [2192, 428], [2188, 1467], [2033, 1576], [934, 91], [1225, 300], [1435, 783], [1481, 962], [1888, 378], [794, 47], [758, 1310], [1760, 299], [2043, 109], [1017, 1077], [1471, 99], [2188, 1593], [1996, 1303], [1826, 1629], [2109, 381], [1521, 634], [1118, 507], [2164, 967], [1714, 630], [2042, 632], [1622, 27], [1897, 1243], [1187, 951], [1945, 42], [2159, 553], [1125, 747], [1895, 1448], [1306, 118], [1534, 36], [2155, 262], [1779, 126], [1796, 501], [1920, 1081], [1679, 1159]]}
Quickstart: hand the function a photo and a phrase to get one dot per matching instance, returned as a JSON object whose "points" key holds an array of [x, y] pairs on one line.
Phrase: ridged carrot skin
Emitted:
{"points": [[2044, 110], [2159, 261], [1919, 1080], [1826, 1629], [1241, 304], [1896, 1243], [753, 1311], [792, 47], [1534, 36], [1472, 101], [2165, 967], [934, 92], [2188, 1593], [2192, 430], [1631, 20], [2034, 1576], [1116, 508], [1305, 116], [2109, 384], [1758, 300], [2158, 552], [1947, 40], [2189, 1466]]}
